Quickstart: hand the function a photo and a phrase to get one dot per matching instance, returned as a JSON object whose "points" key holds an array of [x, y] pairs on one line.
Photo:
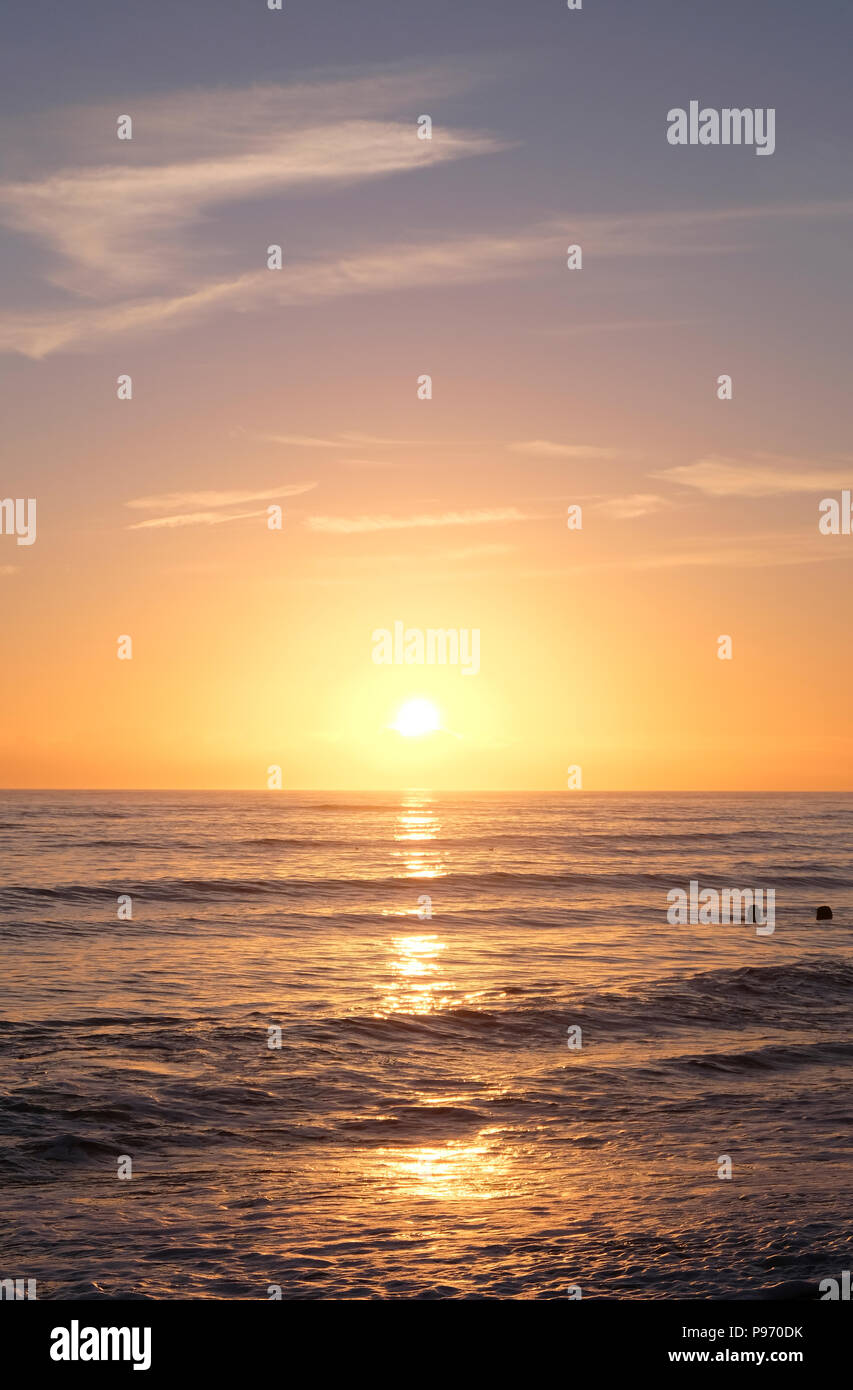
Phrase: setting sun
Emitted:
{"points": [[417, 717]]}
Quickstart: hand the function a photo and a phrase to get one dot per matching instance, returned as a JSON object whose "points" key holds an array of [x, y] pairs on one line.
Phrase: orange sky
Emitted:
{"points": [[253, 647]]}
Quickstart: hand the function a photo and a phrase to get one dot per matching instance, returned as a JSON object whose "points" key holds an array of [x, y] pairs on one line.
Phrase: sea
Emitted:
{"points": [[422, 1045]]}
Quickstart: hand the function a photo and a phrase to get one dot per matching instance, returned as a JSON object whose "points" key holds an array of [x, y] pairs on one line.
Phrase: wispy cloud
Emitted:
{"points": [[208, 121], [345, 440], [297, 441], [764, 550], [109, 223], [116, 226], [616, 326], [438, 558], [353, 525], [369, 463], [547, 449], [159, 523], [476, 552], [461, 261], [339, 443], [379, 441], [630, 508], [763, 475], [217, 499], [113, 220]]}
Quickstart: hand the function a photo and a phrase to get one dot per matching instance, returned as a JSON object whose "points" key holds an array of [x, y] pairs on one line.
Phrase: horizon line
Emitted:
{"points": [[468, 791]]}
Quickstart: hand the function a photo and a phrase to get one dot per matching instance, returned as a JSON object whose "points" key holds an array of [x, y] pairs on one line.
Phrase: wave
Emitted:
{"points": [[797, 995], [214, 889], [794, 996], [773, 1057], [69, 1148]]}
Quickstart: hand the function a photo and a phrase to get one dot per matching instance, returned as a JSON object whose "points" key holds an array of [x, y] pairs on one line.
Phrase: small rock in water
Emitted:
{"points": [[823, 914]]}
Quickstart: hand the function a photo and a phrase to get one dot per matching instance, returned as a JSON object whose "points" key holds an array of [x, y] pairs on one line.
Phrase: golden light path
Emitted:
{"points": [[417, 982], [415, 962], [457, 1170], [418, 825]]}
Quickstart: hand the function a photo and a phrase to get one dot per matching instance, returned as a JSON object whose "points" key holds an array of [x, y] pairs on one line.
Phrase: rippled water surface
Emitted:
{"points": [[424, 1129]]}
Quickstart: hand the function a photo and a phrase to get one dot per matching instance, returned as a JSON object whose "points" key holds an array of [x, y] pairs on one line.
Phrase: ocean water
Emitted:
{"points": [[423, 1130]]}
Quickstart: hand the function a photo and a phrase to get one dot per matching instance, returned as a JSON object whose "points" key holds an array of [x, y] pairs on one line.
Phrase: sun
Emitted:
{"points": [[417, 717]]}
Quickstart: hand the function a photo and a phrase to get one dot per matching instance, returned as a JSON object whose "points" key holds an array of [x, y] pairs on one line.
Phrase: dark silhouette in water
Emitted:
{"points": [[823, 914]]}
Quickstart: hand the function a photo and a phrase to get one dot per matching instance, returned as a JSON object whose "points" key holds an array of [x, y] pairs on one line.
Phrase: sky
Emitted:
{"points": [[253, 648]]}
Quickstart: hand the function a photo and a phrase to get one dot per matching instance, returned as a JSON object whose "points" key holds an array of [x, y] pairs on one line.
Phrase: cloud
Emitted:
{"points": [[630, 508], [9, 569], [476, 552], [392, 268], [766, 550], [338, 441], [765, 476], [117, 225], [111, 209], [298, 441], [545, 448], [369, 463], [617, 325], [204, 122], [763, 551], [209, 501], [340, 525], [114, 213], [110, 223], [380, 442], [192, 519], [218, 499], [381, 561]]}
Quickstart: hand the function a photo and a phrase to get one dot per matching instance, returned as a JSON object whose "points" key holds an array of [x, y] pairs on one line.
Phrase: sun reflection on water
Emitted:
{"points": [[457, 1170], [416, 976], [417, 825]]}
